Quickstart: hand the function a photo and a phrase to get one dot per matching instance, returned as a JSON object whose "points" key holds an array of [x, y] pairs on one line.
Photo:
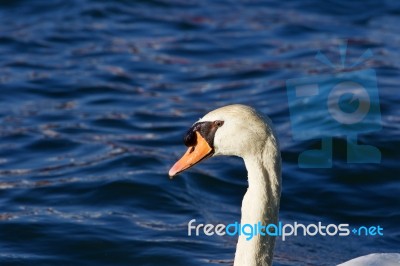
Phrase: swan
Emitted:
{"points": [[238, 130]]}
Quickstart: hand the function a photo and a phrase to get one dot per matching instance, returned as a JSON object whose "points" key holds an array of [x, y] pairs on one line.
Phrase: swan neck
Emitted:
{"points": [[260, 204]]}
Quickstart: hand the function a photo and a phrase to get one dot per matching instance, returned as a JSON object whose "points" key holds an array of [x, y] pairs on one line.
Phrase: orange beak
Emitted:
{"points": [[192, 156]]}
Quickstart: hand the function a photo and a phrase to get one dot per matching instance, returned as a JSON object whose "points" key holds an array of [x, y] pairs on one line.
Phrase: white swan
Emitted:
{"points": [[375, 259], [238, 130]]}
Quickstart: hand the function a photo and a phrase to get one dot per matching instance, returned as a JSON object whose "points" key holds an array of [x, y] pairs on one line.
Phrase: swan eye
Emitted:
{"points": [[206, 129], [218, 123]]}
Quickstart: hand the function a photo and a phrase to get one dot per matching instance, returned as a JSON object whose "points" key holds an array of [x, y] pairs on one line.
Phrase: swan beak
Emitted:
{"points": [[193, 155]]}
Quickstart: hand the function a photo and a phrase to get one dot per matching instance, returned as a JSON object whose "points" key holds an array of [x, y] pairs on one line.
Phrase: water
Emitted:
{"points": [[95, 98]]}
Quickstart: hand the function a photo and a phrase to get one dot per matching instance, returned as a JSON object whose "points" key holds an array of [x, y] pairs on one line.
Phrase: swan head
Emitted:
{"points": [[233, 130]]}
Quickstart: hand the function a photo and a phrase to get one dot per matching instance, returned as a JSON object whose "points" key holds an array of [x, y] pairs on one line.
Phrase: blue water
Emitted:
{"points": [[96, 96]]}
